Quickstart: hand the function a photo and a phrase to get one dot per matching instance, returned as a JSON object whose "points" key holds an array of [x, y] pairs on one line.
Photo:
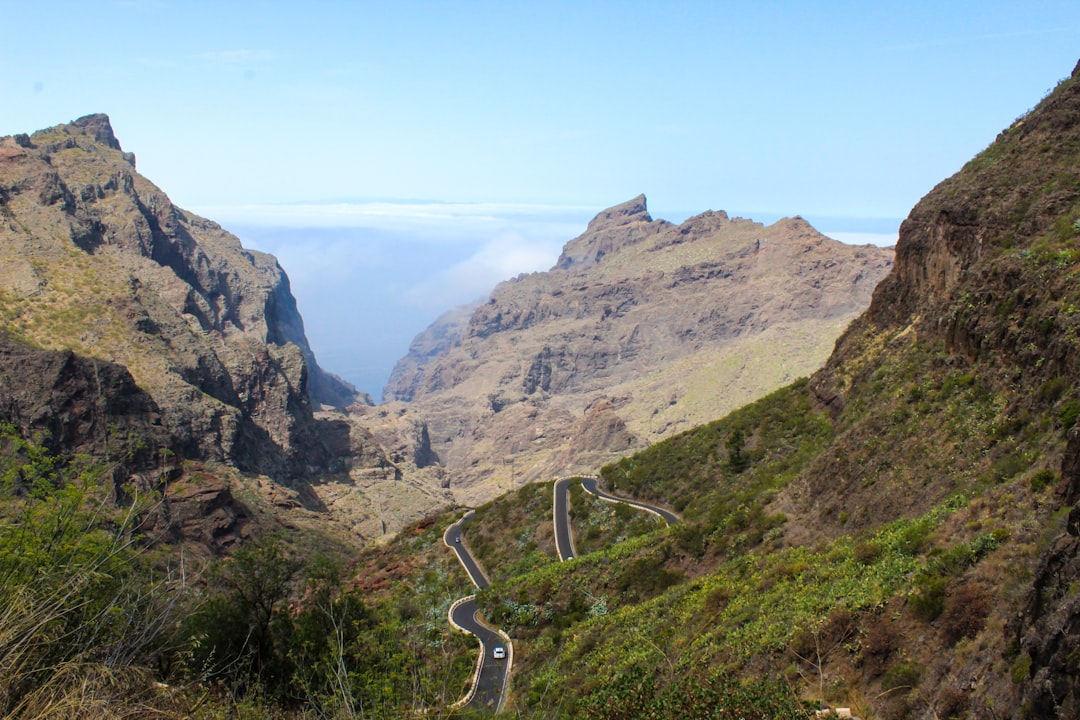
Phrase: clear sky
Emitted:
{"points": [[523, 119]]}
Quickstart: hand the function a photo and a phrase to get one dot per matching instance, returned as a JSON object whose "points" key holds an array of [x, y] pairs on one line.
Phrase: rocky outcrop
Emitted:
{"points": [[96, 259], [76, 405], [613, 228], [72, 405], [983, 291], [438, 338], [641, 329]]}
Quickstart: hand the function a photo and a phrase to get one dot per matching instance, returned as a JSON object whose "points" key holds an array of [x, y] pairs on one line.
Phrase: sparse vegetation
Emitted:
{"points": [[92, 620]]}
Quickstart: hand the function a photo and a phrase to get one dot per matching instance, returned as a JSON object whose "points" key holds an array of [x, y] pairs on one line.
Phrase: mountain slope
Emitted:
{"points": [[641, 329], [97, 260], [899, 534]]}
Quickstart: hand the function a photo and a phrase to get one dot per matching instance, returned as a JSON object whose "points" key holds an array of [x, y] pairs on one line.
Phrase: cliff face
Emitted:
{"points": [[961, 379], [95, 259], [641, 329]]}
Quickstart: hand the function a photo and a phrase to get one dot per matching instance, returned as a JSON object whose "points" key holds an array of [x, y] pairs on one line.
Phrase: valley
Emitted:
{"points": [[812, 474]]}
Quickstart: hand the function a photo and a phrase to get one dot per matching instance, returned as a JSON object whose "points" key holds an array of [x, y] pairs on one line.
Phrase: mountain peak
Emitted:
{"points": [[610, 230], [99, 128], [634, 210]]}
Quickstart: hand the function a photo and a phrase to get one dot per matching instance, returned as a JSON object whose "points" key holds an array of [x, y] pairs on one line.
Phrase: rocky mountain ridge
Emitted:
{"points": [[641, 329], [139, 332]]}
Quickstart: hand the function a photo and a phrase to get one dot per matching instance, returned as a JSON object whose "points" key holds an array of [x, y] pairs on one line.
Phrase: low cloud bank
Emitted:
{"points": [[369, 276]]}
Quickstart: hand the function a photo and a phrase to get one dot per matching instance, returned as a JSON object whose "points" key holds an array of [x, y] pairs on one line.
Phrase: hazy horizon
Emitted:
{"points": [[521, 120], [368, 277]]}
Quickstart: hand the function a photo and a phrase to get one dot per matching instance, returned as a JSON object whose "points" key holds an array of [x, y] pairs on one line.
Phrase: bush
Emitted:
{"points": [[241, 635], [1068, 413], [881, 641], [80, 616], [1021, 669], [951, 703], [1043, 479], [928, 599], [904, 674], [1007, 467], [867, 552], [965, 613], [1052, 390]]}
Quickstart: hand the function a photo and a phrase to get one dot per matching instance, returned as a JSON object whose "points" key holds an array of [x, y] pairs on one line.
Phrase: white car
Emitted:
{"points": [[499, 653]]}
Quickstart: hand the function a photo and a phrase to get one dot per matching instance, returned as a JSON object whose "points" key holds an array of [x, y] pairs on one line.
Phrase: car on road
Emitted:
{"points": [[457, 539], [499, 653]]}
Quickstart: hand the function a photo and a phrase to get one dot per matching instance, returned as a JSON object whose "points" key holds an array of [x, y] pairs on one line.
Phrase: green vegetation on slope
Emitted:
{"points": [[97, 622]]}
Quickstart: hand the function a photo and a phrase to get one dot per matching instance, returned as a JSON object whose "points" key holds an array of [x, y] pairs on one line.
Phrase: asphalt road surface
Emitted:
{"points": [[564, 539], [564, 536], [491, 682], [592, 485], [454, 538]]}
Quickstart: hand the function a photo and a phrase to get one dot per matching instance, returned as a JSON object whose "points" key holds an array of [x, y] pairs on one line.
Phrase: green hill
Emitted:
{"points": [[891, 535]]}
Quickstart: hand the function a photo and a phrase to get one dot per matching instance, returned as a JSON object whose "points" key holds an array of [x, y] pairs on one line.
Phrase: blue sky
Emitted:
{"points": [[523, 119]]}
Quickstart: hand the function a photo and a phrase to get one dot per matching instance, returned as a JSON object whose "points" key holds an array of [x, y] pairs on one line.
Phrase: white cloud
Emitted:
{"points": [[501, 258], [427, 220]]}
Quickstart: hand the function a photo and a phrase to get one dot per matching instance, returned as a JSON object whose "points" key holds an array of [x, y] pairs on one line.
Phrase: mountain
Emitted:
{"points": [[641, 329], [148, 337], [899, 534]]}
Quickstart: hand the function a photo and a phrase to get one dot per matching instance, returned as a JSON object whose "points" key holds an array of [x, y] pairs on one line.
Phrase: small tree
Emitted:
{"points": [[240, 634], [736, 444]]}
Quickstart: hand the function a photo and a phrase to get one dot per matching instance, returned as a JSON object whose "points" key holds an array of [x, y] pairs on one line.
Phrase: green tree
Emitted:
{"points": [[240, 635], [736, 445]]}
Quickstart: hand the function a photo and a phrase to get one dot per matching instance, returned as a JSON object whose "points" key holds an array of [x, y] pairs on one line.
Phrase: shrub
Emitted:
{"points": [[241, 632], [1021, 669], [928, 599], [913, 538], [965, 613], [881, 641], [951, 703], [1052, 390], [1042, 479], [867, 552], [80, 617], [1068, 413], [1007, 467], [904, 674]]}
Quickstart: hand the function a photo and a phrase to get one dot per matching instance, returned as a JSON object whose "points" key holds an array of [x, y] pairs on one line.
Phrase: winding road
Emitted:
{"points": [[492, 675], [592, 485], [564, 535]]}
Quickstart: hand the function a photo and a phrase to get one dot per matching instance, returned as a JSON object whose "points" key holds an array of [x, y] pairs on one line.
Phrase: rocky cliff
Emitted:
{"points": [[960, 380], [135, 331], [95, 259], [641, 329]]}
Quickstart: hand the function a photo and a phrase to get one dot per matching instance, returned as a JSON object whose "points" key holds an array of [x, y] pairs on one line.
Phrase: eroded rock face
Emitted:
{"points": [[985, 277], [641, 329], [1046, 632], [72, 404], [98, 260]]}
